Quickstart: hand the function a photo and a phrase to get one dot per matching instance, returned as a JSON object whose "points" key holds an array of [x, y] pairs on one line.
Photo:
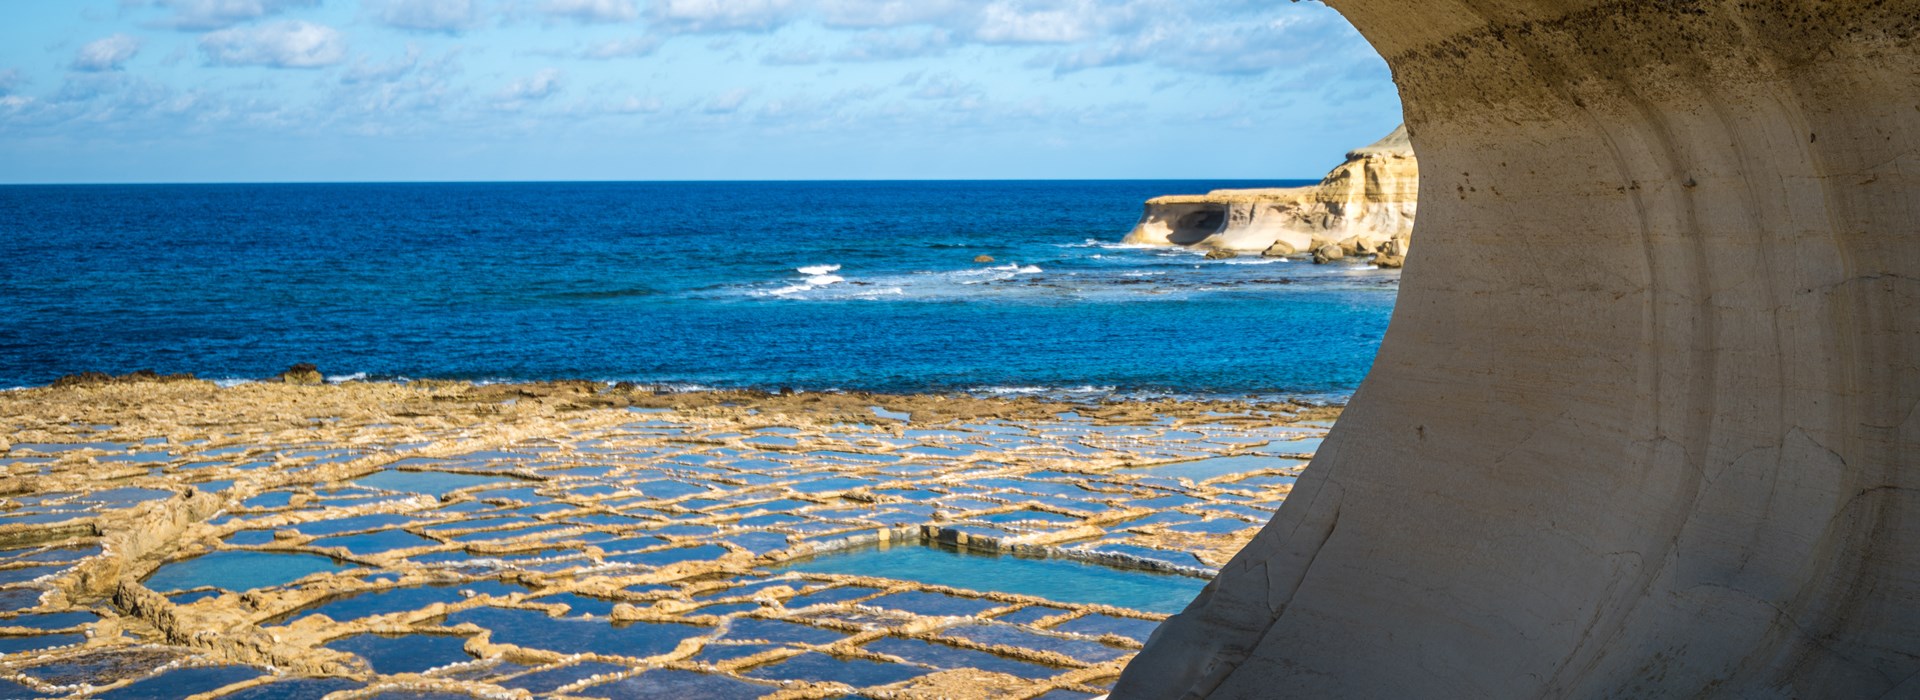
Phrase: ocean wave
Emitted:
{"points": [[231, 382], [821, 276], [340, 378], [676, 387], [1015, 268], [1042, 390], [1061, 280], [1110, 245], [997, 273], [817, 270]]}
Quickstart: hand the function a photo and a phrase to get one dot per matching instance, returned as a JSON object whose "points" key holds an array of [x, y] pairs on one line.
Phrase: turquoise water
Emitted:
{"points": [[814, 285], [1062, 580], [428, 482], [237, 570]]}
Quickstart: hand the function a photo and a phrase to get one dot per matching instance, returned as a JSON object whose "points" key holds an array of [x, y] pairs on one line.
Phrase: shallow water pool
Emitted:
{"points": [[237, 570], [428, 482], [1203, 469], [1063, 580]]}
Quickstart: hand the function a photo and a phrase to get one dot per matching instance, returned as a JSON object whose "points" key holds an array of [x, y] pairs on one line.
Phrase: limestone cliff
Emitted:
{"points": [[1367, 204], [1646, 422]]}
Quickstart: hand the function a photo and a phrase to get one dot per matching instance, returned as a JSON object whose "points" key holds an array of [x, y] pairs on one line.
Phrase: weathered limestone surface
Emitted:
{"points": [[166, 537], [1366, 202], [1647, 421]]}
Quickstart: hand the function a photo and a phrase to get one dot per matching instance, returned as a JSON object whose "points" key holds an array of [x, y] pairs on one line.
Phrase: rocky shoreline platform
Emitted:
{"points": [[167, 537]]}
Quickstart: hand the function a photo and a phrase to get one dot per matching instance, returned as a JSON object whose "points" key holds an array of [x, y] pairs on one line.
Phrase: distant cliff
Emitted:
{"points": [[1364, 207]]}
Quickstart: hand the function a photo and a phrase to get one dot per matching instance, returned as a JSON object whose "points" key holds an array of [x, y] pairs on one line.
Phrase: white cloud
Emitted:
{"points": [[200, 15], [728, 102], [1018, 23], [106, 54], [803, 56], [723, 15], [1056, 64], [633, 47], [363, 72], [409, 93], [895, 46], [11, 80], [449, 16], [637, 105], [891, 13], [1225, 48], [592, 11], [533, 88], [290, 44], [944, 87]]}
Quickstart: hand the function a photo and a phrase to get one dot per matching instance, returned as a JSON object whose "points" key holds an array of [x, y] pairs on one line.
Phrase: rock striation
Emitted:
{"points": [[1647, 419], [1365, 206]]}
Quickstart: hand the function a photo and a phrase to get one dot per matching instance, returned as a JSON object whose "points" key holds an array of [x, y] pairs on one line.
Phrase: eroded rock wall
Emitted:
{"points": [[1367, 202], [1647, 419]]}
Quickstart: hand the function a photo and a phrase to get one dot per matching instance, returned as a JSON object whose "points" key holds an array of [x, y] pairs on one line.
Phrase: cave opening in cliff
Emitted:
{"points": [[1197, 226]]}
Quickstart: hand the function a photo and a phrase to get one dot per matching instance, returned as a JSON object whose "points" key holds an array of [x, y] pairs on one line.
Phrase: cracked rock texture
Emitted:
{"points": [[1647, 419], [164, 537]]}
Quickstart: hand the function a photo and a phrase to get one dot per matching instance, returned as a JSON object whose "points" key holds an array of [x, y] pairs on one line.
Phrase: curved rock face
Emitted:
{"points": [[1647, 419], [1368, 199]]}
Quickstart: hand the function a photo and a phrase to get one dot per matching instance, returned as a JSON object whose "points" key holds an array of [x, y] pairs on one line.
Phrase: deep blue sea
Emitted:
{"points": [[814, 286]]}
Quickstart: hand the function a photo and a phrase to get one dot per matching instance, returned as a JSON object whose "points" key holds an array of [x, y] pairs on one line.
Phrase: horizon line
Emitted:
{"points": [[597, 181]]}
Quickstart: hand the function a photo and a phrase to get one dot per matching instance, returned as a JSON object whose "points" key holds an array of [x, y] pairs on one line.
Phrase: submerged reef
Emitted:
{"points": [[166, 537], [1364, 207]]}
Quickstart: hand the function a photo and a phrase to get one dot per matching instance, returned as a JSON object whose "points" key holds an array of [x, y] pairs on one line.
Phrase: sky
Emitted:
{"points": [[522, 90]]}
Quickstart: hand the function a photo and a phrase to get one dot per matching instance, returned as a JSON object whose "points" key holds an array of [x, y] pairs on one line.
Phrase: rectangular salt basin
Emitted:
{"points": [[1203, 469], [1062, 580], [237, 570], [1293, 447], [432, 483]]}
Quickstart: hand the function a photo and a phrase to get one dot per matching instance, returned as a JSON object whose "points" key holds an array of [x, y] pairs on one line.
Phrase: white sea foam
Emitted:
{"points": [[1043, 390], [817, 276], [1256, 261], [231, 383], [1011, 390], [1110, 245], [340, 378]]}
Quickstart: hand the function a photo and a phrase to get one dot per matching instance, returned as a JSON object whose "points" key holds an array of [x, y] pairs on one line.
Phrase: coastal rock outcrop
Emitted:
{"points": [[1646, 422], [1368, 200], [302, 373]]}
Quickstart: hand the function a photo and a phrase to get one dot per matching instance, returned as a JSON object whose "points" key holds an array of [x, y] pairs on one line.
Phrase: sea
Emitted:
{"points": [[809, 286]]}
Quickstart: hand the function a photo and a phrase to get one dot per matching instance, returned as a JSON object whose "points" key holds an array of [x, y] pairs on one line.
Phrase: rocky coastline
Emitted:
{"points": [[1364, 207]]}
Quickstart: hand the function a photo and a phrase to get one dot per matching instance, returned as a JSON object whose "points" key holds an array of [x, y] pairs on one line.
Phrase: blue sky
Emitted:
{"points": [[380, 90]]}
